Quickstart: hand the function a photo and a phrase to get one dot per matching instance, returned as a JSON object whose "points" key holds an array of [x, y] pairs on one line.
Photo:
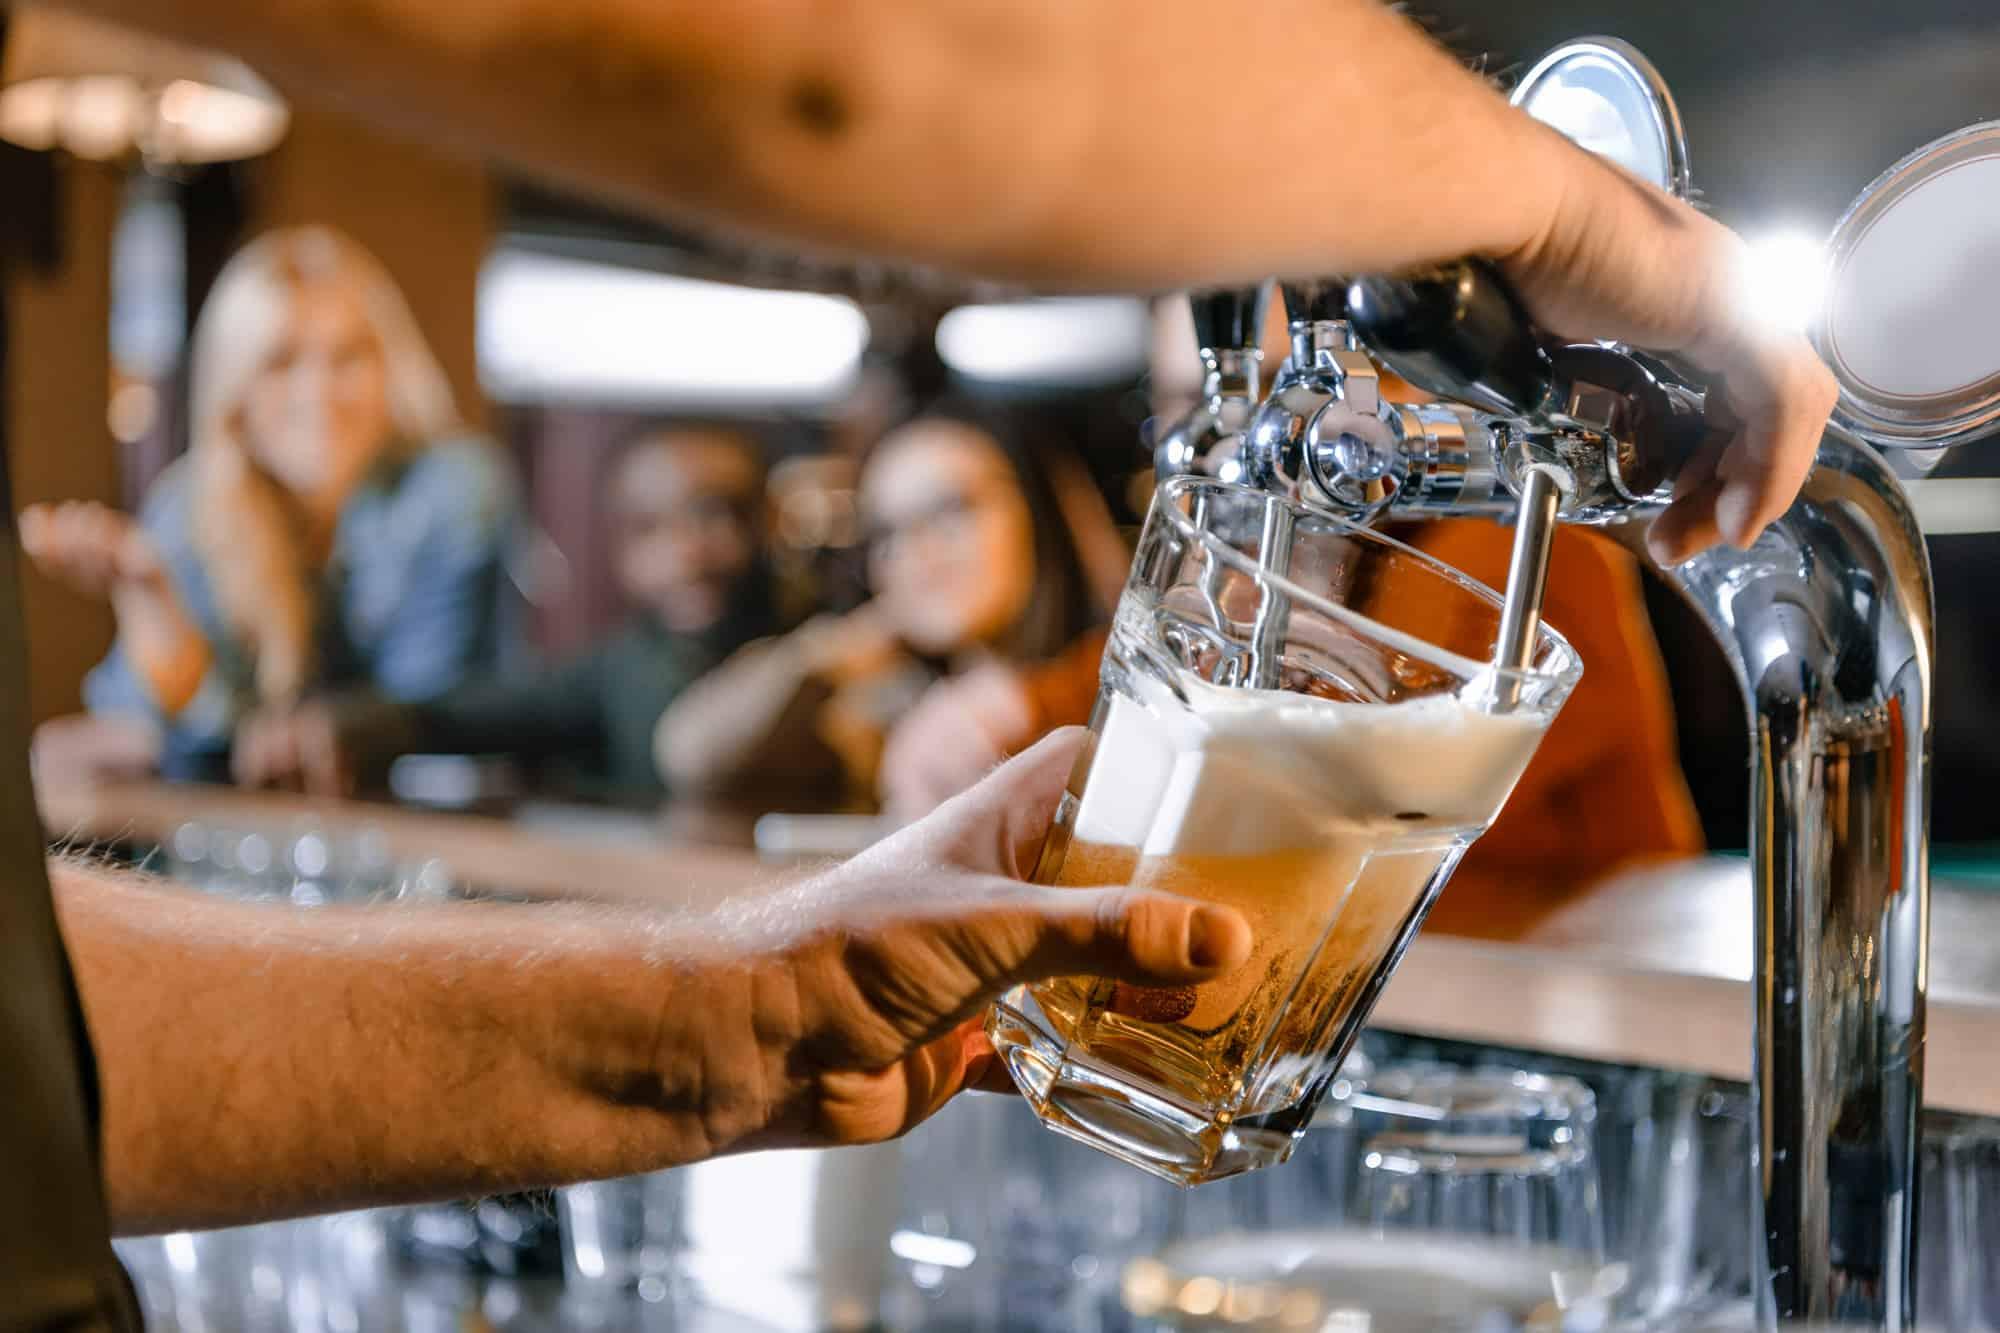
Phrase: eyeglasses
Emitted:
{"points": [[696, 515], [947, 518]]}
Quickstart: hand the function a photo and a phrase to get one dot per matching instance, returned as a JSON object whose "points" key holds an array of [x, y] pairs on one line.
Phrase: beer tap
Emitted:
{"points": [[1323, 354], [1228, 329], [1612, 426], [1825, 620]]}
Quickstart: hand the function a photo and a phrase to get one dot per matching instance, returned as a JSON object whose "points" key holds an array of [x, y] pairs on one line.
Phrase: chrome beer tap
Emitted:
{"points": [[1228, 329], [1826, 621], [1613, 426], [1322, 353]]}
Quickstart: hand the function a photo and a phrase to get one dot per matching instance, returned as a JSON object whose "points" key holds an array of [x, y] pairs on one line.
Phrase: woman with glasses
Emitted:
{"points": [[993, 568]]}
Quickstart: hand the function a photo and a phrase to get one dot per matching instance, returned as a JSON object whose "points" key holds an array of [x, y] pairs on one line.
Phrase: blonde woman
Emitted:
{"points": [[332, 524]]}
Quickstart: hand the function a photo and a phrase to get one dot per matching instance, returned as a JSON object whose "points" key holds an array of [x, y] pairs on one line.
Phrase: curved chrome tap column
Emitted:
{"points": [[1827, 624]]}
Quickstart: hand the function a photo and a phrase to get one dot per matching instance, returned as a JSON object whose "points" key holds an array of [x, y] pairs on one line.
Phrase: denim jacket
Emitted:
{"points": [[409, 604]]}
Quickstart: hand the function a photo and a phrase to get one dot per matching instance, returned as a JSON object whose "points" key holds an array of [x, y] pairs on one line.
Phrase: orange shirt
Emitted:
{"points": [[1605, 789]]}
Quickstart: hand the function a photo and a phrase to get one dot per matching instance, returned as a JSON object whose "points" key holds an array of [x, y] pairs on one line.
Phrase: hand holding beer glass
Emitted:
{"points": [[1300, 718]]}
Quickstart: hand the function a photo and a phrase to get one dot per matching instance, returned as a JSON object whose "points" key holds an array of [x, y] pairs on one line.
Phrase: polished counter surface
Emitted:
{"points": [[1653, 968]]}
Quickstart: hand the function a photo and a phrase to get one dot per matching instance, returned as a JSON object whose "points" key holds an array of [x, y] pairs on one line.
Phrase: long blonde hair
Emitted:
{"points": [[248, 528]]}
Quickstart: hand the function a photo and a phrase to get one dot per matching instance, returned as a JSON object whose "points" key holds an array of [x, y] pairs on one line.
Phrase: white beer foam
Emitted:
{"points": [[1238, 772], [1127, 776]]}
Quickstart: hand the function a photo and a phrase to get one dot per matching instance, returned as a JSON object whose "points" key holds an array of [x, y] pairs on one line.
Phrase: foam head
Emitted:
{"points": [[1240, 772]]}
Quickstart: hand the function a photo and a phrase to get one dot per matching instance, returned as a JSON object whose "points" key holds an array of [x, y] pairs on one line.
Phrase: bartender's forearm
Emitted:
{"points": [[1114, 143], [259, 1061]]}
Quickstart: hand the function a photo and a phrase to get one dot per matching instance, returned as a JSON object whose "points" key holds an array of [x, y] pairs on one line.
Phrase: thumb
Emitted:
{"points": [[1126, 934]]}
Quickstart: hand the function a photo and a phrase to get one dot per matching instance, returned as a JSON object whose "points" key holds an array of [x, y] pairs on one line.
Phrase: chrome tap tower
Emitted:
{"points": [[1826, 621]]}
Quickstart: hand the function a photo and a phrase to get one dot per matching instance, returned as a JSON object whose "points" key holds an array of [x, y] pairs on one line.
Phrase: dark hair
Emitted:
{"points": [[744, 436], [753, 609], [1062, 605]]}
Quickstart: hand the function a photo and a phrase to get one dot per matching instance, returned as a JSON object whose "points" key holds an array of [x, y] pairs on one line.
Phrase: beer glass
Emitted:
{"points": [[1298, 717], [1492, 1152]]}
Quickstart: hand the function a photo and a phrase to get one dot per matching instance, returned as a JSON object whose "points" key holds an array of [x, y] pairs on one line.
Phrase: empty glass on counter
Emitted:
{"points": [[1423, 1196], [1498, 1153], [313, 1275], [1958, 1285], [622, 1236], [1003, 1227], [792, 1240], [1675, 1156], [1298, 717]]}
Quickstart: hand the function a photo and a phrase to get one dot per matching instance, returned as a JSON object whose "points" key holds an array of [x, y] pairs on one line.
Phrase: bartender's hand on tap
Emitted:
{"points": [[259, 1062], [1073, 144], [1616, 258]]}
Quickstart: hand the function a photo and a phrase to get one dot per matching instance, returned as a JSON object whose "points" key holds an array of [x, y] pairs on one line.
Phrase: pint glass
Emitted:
{"points": [[1301, 718]]}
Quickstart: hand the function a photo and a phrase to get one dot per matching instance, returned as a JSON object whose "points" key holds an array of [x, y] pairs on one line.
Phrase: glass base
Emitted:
{"points": [[1094, 1105]]}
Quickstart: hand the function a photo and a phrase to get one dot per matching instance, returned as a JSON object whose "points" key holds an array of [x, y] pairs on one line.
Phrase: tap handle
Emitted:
{"points": [[1459, 331], [1230, 317], [1314, 300]]}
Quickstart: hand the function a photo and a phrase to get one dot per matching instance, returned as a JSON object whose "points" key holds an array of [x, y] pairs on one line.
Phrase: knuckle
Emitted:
{"points": [[1114, 919]]}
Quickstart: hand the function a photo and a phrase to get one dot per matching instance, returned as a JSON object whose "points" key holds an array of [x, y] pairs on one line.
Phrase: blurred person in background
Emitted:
{"points": [[686, 509], [993, 568], [1605, 790], [334, 522]]}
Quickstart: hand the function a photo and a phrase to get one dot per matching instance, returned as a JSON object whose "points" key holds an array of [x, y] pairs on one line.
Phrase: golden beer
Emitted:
{"points": [[1328, 811]]}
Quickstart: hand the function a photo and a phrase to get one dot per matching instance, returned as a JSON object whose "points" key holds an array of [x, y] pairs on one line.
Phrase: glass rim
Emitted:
{"points": [[1565, 672]]}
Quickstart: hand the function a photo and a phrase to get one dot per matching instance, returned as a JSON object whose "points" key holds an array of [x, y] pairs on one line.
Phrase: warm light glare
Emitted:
{"points": [[180, 1251], [1785, 281], [1073, 340], [551, 327], [90, 117], [198, 122], [106, 116], [919, 1247]]}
